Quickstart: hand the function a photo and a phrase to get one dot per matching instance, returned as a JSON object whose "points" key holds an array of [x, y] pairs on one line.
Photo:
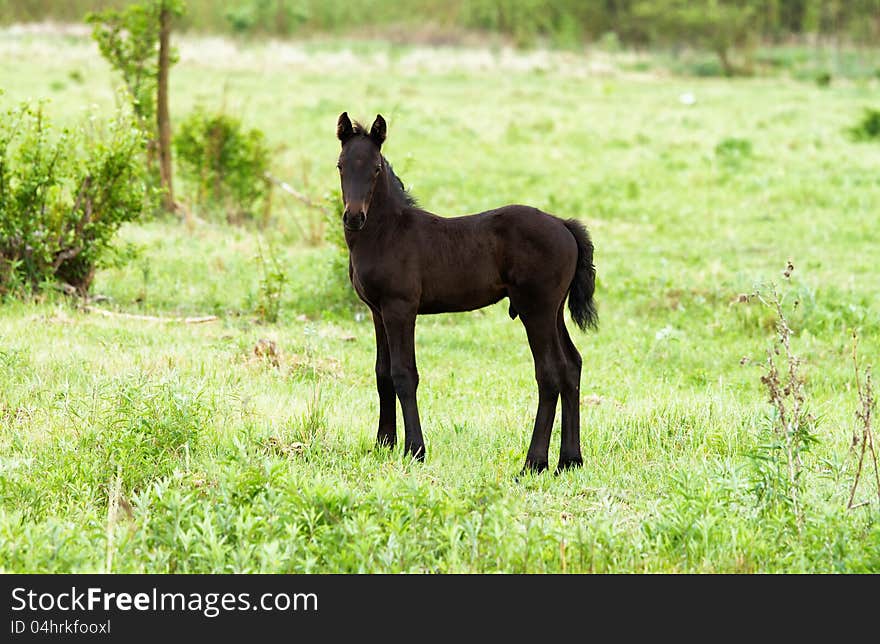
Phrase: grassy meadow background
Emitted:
{"points": [[695, 190]]}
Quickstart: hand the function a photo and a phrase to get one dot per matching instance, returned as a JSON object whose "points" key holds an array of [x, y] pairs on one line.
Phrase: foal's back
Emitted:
{"points": [[469, 262]]}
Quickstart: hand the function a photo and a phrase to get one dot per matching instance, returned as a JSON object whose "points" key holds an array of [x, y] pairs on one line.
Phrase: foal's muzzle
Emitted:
{"points": [[354, 221]]}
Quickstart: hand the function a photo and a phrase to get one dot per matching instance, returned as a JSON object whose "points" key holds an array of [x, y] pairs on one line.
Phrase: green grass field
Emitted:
{"points": [[229, 462]]}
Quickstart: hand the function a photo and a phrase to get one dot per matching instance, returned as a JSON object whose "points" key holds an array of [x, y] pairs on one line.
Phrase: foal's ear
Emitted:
{"points": [[344, 130], [378, 131]]}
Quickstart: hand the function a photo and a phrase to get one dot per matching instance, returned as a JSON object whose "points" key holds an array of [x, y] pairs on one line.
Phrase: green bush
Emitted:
{"points": [[733, 150], [720, 26], [823, 78], [63, 197], [266, 16], [868, 129], [223, 164]]}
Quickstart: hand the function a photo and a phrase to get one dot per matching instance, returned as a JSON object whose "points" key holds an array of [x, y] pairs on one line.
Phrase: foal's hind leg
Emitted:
{"points": [[387, 434], [549, 362], [570, 447]]}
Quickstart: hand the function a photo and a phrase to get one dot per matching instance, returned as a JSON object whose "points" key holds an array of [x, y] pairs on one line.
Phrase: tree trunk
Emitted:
{"points": [[163, 119]]}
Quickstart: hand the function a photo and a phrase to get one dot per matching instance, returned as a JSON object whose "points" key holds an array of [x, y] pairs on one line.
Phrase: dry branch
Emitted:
{"points": [[151, 318], [866, 398], [286, 187]]}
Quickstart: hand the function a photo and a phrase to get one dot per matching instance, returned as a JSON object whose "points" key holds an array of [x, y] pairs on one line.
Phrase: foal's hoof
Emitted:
{"points": [[532, 468], [416, 452], [384, 440], [569, 463]]}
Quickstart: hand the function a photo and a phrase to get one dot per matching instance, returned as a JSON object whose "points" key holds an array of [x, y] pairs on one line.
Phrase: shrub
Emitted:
{"points": [[868, 129], [823, 79], [223, 164], [63, 197], [733, 151], [723, 27], [280, 17]]}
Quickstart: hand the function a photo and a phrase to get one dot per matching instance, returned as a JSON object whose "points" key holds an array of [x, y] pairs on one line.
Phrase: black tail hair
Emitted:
{"points": [[580, 297]]}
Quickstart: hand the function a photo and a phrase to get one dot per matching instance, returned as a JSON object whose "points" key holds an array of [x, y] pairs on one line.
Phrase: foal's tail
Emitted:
{"points": [[580, 297]]}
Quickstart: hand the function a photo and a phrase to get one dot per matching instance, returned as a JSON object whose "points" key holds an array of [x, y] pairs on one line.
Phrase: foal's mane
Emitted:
{"points": [[397, 187]]}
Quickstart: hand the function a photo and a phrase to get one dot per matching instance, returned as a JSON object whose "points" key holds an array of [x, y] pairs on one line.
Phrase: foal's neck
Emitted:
{"points": [[388, 196]]}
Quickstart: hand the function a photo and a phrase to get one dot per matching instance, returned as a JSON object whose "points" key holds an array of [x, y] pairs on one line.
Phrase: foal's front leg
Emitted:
{"points": [[400, 327], [387, 434]]}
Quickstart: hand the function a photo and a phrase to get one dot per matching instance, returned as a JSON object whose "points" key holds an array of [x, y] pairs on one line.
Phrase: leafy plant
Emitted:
{"points": [[868, 128], [791, 432], [223, 163], [273, 278], [312, 422], [127, 39], [63, 197]]}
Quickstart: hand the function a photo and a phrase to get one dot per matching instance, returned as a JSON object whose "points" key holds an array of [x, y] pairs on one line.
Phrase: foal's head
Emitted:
{"points": [[360, 166]]}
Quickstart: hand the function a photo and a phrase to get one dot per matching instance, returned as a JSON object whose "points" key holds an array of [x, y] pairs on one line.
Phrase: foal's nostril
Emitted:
{"points": [[354, 220]]}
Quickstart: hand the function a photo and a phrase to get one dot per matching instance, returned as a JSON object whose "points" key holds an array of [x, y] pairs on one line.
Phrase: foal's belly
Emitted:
{"points": [[457, 277], [462, 300]]}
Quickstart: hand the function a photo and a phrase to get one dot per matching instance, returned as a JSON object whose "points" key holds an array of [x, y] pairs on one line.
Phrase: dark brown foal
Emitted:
{"points": [[405, 261]]}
